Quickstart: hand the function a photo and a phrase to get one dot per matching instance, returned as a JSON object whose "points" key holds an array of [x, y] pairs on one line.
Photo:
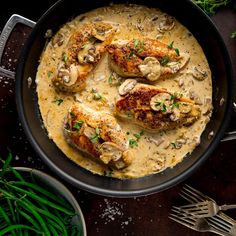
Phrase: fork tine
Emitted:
{"points": [[193, 212], [185, 215], [202, 205], [192, 195], [218, 222]]}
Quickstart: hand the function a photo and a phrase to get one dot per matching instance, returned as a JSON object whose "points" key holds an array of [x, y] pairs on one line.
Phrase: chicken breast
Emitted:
{"points": [[83, 51], [146, 58], [156, 109], [97, 134]]}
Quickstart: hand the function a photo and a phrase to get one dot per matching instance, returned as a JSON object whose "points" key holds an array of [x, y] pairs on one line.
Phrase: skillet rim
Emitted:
{"points": [[123, 193]]}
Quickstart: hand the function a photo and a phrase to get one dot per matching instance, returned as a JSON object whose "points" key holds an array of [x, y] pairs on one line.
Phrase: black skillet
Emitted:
{"points": [[209, 38]]}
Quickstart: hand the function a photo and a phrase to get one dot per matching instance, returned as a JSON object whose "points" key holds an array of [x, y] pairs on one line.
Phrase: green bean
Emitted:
{"points": [[12, 214], [42, 200], [18, 226], [29, 218], [50, 216], [5, 216], [37, 216], [5, 165], [52, 229], [41, 190]]}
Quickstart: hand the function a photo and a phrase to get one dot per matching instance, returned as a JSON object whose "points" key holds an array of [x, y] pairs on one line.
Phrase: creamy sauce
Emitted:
{"points": [[155, 151]]}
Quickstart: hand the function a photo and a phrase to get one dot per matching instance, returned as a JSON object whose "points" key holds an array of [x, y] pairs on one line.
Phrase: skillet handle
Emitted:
{"points": [[6, 32], [230, 135]]}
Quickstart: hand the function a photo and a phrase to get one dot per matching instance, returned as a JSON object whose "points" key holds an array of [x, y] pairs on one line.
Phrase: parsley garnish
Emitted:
{"points": [[94, 139], [78, 125], [110, 79], [164, 60], [173, 144], [162, 104], [170, 46], [97, 96], [137, 44], [59, 101], [134, 142], [233, 35], [65, 58], [210, 6], [49, 74]]}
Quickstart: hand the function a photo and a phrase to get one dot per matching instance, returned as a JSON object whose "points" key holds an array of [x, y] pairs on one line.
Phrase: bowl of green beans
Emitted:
{"points": [[35, 203]]}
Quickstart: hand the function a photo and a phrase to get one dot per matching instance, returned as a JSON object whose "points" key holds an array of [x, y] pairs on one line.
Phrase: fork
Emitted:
{"points": [[205, 208], [193, 195], [198, 224]]}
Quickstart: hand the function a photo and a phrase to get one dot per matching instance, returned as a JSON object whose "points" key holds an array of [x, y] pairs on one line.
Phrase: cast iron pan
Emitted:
{"points": [[207, 35]]}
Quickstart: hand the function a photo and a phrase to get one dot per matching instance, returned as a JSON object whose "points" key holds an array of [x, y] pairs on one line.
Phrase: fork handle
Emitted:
{"points": [[226, 207]]}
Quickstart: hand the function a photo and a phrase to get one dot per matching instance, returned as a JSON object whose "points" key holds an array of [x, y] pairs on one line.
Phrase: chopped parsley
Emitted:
{"points": [[108, 173], [173, 144], [96, 136], [162, 104], [78, 125], [138, 47], [170, 46], [233, 35], [58, 101], [65, 58], [110, 79], [164, 60], [172, 97], [97, 96], [49, 74], [134, 142]]}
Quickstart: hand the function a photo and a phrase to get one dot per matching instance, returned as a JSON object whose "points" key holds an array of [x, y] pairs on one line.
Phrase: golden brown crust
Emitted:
{"points": [[83, 51], [97, 134], [136, 105]]}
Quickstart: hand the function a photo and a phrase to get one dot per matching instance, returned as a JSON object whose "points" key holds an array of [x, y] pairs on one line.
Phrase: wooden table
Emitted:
{"points": [[146, 215]]}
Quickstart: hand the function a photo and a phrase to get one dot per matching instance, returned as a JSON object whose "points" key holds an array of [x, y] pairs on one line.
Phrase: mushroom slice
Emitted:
{"points": [[185, 107], [127, 86], [110, 152], [198, 73], [151, 68], [166, 24], [161, 102]]}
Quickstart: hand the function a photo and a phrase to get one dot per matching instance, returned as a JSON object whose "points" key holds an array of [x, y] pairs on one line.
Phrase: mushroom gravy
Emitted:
{"points": [[153, 151]]}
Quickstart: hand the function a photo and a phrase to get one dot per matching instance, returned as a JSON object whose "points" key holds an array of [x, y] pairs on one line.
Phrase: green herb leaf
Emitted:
{"points": [[110, 79], [170, 46], [97, 96], [164, 60], [177, 51], [78, 125], [210, 6], [95, 138], [49, 74], [131, 54], [59, 101], [163, 108], [133, 143], [233, 35], [157, 104]]}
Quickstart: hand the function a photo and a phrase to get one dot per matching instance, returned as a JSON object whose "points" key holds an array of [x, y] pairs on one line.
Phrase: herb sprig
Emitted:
{"points": [[210, 6]]}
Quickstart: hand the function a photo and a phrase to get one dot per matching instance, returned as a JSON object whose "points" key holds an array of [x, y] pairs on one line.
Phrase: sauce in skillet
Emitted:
{"points": [[153, 152]]}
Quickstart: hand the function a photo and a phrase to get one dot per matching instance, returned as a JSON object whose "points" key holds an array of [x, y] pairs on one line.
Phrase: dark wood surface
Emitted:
{"points": [[147, 215]]}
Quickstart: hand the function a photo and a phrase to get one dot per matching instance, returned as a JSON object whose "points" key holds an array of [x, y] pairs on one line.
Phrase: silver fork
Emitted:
{"points": [[205, 208], [197, 224], [193, 196]]}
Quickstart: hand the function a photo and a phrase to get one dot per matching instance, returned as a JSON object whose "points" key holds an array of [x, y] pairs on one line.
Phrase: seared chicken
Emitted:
{"points": [[99, 135], [155, 109], [147, 58], [83, 51]]}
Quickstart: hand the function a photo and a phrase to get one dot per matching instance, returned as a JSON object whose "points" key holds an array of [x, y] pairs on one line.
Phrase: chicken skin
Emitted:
{"points": [[147, 58], [97, 134], [83, 52], [156, 109]]}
